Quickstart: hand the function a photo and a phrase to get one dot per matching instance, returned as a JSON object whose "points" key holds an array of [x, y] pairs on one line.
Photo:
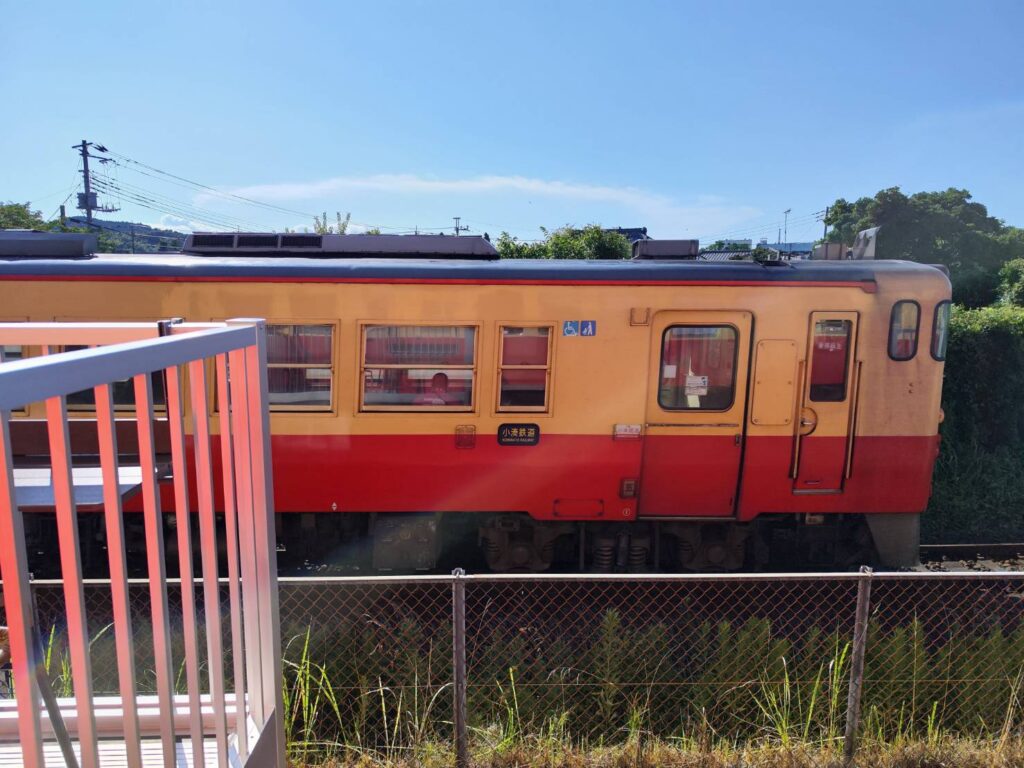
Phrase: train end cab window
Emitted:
{"points": [[830, 360], [300, 367], [524, 371], [418, 367], [903, 326], [940, 330], [698, 368]]}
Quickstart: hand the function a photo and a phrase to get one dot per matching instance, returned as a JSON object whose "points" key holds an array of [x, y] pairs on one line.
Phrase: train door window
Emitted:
{"points": [[418, 367], [300, 367], [698, 368], [830, 360], [903, 326], [940, 330], [524, 371]]}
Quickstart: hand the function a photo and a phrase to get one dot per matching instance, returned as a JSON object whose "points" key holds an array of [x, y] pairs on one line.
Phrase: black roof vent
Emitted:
{"points": [[306, 246], [301, 241], [257, 241], [213, 241], [666, 250], [29, 244]]}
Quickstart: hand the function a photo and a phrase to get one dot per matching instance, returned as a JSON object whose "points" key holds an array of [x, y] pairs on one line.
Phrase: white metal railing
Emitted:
{"points": [[235, 353]]}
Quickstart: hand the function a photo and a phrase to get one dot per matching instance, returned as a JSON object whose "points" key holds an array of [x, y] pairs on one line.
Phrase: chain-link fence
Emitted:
{"points": [[374, 661]]}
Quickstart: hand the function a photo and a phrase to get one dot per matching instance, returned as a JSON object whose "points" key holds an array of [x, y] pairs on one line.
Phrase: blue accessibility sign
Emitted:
{"points": [[588, 327], [571, 328]]}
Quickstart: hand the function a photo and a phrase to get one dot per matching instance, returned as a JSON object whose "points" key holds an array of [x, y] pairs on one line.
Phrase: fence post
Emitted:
{"points": [[459, 667], [860, 640]]}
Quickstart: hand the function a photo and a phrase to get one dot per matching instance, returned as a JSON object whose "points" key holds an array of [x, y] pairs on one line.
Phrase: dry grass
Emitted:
{"points": [[538, 753]]}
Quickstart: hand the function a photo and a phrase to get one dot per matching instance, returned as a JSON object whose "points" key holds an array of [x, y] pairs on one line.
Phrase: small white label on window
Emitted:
{"points": [[668, 371], [696, 385]]}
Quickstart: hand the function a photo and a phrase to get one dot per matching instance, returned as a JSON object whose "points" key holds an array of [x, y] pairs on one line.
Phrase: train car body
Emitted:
{"points": [[618, 414]]}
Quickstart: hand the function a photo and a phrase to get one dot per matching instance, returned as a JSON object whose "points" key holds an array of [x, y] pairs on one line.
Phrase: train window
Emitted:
{"points": [[830, 360], [300, 364], [940, 330], [698, 368], [122, 392], [414, 367], [525, 368], [10, 352], [903, 326]]}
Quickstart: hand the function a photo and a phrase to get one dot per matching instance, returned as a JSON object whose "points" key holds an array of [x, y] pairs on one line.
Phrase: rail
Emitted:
{"points": [[146, 727]]}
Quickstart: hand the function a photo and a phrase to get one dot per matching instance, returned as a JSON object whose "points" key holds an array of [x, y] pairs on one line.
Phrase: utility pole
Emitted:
{"points": [[459, 229], [133, 237], [87, 201], [825, 233], [785, 225]]}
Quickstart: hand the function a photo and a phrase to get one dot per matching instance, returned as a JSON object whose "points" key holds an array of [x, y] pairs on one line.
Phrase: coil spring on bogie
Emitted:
{"points": [[604, 556], [638, 551]]}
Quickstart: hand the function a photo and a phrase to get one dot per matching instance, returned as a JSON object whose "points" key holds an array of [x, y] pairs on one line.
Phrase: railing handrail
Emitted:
{"points": [[39, 378]]}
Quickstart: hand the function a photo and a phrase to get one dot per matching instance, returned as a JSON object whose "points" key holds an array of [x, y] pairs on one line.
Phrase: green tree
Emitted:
{"points": [[948, 228], [1011, 287], [20, 216], [590, 242], [321, 227]]}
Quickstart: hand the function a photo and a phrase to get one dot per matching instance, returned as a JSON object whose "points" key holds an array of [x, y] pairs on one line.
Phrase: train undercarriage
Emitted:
{"points": [[334, 544]]}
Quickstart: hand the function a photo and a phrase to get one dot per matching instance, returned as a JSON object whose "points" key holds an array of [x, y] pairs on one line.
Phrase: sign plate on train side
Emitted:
{"points": [[518, 434]]}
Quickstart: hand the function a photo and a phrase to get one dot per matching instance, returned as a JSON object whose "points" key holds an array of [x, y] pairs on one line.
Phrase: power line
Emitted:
{"points": [[119, 186], [205, 187], [173, 208]]}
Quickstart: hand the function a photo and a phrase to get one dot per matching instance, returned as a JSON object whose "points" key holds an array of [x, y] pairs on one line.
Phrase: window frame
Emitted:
{"points": [[917, 331], [848, 360], [948, 304], [331, 407], [547, 368], [735, 365], [361, 367]]}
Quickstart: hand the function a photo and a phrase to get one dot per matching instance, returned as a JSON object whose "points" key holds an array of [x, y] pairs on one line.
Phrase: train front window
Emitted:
{"points": [[414, 367], [525, 368], [300, 364], [698, 368], [940, 330], [903, 326], [830, 360]]}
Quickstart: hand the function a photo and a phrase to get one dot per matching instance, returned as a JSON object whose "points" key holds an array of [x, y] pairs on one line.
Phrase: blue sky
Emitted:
{"points": [[696, 119]]}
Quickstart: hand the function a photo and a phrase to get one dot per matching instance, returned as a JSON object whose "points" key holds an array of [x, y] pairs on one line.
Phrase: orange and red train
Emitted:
{"points": [[428, 398]]}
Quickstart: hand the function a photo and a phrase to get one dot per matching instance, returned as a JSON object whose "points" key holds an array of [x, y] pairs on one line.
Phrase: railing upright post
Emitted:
{"points": [[459, 667], [860, 641]]}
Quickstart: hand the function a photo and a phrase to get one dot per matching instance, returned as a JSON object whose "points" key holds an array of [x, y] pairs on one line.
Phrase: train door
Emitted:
{"points": [[828, 404], [696, 402]]}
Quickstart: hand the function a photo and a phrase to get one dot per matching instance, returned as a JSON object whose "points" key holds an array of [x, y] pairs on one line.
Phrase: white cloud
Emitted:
{"points": [[661, 213], [178, 224]]}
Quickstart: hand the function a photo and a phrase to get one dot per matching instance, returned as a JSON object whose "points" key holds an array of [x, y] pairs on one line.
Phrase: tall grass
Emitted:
{"points": [[642, 689]]}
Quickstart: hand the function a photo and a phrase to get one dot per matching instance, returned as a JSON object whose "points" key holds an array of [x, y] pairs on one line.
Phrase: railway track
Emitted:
{"points": [[972, 557]]}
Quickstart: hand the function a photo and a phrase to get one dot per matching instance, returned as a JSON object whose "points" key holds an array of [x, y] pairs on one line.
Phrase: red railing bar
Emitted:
{"points": [[107, 439], [156, 572], [71, 571], [208, 551]]}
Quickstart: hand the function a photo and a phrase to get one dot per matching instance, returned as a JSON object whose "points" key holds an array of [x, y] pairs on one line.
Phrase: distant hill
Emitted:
{"points": [[116, 236]]}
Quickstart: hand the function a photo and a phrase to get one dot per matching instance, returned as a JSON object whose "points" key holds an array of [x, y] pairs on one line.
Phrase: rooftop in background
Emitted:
{"points": [[630, 233], [347, 246], [745, 255], [789, 248]]}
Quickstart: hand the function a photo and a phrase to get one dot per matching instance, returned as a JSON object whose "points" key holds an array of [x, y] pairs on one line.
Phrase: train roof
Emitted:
{"points": [[184, 267]]}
